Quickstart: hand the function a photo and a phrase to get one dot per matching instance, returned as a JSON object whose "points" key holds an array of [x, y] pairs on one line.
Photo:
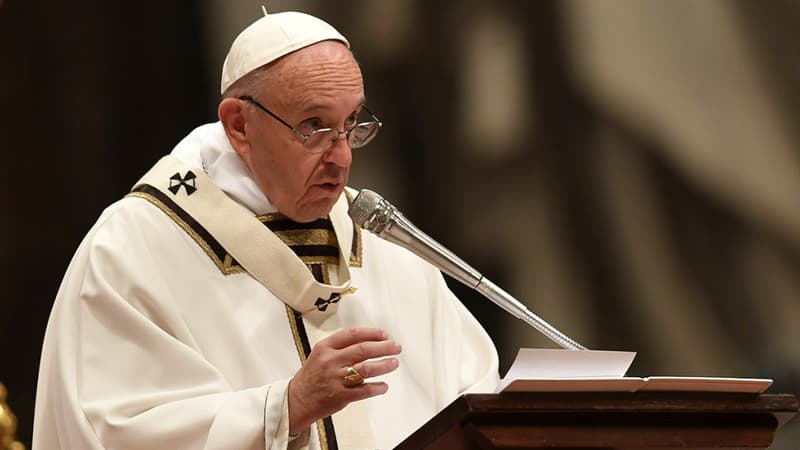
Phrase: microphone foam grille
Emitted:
{"points": [[365, 203]]}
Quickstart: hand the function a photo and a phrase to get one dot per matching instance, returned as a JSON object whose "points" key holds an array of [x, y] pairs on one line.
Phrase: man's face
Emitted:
{"points": [[319, 86]]}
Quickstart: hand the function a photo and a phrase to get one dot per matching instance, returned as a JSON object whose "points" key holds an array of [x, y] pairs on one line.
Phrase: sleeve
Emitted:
{"points": [[122, 371], [470, 362]]}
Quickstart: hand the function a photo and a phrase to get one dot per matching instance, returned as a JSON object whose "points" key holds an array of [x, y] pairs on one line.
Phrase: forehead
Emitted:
{"points": [[319, 76]]}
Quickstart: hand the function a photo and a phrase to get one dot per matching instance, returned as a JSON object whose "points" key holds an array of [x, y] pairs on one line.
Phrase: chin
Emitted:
{"points": [[313, 212]]}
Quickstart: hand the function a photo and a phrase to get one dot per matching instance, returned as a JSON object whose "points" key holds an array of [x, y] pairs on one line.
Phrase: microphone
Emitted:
{"points": [[371, 212]]}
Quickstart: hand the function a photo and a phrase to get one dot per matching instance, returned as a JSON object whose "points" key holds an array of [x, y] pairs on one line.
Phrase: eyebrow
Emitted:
{"points": [[323, 107]]}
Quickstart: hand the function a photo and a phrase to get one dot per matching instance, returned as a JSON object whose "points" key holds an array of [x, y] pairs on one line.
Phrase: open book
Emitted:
{"points": [[553, 370]]}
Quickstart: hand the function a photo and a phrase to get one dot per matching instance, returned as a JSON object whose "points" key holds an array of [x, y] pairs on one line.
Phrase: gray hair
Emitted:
{"points": [[250, 84]]}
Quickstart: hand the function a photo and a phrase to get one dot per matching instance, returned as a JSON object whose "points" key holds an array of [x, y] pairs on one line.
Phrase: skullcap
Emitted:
{"points": [[271, 37]]}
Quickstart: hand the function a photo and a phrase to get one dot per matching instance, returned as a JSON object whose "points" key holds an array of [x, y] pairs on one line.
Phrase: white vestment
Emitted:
{"points": [[163, 337]]}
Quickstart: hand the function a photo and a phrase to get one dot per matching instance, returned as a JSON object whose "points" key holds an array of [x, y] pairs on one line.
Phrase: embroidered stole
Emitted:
{"points": [[290, 260], [316, 245]]}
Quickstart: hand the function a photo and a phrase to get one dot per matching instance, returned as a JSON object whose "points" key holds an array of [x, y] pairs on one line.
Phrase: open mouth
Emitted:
{"points": [[331, 187]]}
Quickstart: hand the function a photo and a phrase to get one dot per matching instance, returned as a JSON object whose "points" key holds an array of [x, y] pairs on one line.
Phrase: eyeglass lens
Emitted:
{"points": [[359, 136]]}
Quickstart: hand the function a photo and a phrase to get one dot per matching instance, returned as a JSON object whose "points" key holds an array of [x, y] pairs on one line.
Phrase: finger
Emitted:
{"points": [[371, 369], [363, 351], [366, 390], [354, 335]]}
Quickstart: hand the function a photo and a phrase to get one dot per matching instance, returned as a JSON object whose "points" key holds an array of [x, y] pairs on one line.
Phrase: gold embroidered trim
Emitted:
{"points": [[319, 259], [228, 267], [326, 276], [356, 257], [225, 266], [308, 237], [269, 217], [323, 435], [298, 343]]}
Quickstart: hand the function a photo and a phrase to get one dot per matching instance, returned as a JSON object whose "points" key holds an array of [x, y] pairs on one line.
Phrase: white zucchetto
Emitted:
{"points": [[271, 37]]}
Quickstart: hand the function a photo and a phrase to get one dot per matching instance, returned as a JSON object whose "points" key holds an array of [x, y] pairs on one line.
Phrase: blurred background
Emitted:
{"points": [[629, 169]]}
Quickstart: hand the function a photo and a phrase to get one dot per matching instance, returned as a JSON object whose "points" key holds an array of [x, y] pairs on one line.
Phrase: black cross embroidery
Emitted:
{"points": [[322, 304], [187, 181]]}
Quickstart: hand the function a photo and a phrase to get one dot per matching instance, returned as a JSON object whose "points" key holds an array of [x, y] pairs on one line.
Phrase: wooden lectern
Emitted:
{"points": [[606, 420]]}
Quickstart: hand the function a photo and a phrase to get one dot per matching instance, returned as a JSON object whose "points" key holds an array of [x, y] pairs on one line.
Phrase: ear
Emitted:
{"points": [[231, 113]]}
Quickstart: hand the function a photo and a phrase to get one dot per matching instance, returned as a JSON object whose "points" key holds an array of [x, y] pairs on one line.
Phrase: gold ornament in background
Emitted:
{"points": [[8, 422]]}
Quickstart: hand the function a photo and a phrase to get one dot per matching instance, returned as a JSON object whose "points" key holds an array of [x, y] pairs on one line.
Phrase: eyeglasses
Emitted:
{"points": [[322, 139]]}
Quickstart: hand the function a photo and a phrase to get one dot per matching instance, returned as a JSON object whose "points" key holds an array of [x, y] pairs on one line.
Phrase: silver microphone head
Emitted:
{"points": [[363, 206], [371, 212]]}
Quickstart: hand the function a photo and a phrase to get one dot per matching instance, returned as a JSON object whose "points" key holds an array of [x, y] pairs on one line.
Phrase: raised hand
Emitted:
{"points": [[319, 388]]}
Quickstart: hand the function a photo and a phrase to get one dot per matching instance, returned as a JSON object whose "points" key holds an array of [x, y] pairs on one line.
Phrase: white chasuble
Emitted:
{"points": [[183, 316]]}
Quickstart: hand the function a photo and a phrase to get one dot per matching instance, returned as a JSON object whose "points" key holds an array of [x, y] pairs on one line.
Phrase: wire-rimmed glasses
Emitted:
{"points": [[322, 139]]}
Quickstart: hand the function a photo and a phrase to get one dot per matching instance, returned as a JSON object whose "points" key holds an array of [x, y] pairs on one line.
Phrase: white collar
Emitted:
{"points": [[207, 148]]}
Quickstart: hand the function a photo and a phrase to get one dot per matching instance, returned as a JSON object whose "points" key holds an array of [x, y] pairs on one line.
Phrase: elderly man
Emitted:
{"points": [[229, 302]]}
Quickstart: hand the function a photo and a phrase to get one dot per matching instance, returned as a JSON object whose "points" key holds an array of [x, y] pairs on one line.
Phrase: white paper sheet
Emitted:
{"points": [[555, 370], [540, 363]]}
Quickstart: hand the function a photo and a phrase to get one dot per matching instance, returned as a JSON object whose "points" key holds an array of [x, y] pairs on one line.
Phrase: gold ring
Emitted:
{"points": [[352, 378]]}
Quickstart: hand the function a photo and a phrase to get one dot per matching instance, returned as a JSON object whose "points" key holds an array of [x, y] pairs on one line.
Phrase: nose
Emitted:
{"points": [[340, 152]]}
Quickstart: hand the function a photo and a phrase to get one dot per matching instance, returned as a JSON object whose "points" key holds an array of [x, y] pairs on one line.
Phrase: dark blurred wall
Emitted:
{"points": [[627, 168], [91, 94]]}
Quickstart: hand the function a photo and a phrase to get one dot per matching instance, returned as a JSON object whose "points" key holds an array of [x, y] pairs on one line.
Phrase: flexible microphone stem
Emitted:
{"points": [[371, 212], [504, 300]]}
